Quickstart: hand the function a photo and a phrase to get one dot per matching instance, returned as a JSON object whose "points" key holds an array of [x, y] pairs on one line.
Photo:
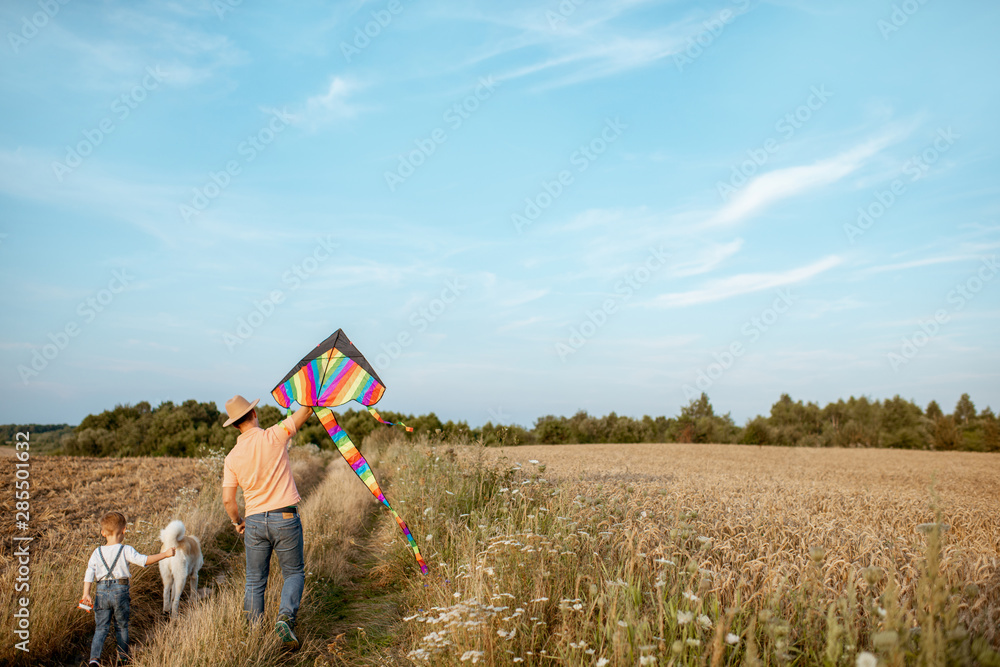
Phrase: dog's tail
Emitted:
{"points": [[172, 535]]}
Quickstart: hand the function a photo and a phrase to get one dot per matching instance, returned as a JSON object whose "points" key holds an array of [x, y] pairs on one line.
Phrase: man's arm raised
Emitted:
{"points": [[300, 416]]}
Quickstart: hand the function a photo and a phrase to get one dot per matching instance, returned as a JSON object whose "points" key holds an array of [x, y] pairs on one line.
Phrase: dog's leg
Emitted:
{"points": [[178, 589], [194, 585], [167, 580]]}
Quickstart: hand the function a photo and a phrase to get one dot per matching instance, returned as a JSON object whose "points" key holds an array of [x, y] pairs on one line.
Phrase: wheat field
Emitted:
{"points": [[709, 554], [754, 514]]}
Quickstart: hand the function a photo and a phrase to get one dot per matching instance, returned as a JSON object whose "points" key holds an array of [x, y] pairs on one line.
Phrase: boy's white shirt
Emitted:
{"points": [[96, 569]]}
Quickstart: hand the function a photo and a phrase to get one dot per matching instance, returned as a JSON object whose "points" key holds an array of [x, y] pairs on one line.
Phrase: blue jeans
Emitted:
{"points": [[265, 533], [111, 599]]}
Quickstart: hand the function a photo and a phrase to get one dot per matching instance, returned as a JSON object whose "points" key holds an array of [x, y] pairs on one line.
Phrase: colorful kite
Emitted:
{"points": [[331, 375]]}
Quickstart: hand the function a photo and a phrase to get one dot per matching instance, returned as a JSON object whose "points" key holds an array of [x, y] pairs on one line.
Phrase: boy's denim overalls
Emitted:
{"points": [[111, 599]]}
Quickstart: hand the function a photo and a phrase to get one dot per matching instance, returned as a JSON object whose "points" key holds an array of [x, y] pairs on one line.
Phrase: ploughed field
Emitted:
{"points": [[68, 496], [763, 516]]}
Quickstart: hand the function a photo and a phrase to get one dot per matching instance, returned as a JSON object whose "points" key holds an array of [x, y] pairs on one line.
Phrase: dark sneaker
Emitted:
{"points": [[284, 629]]}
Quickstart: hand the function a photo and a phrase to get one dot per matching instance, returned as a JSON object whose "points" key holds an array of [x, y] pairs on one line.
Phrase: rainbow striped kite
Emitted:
{"points": [[331, 375]]}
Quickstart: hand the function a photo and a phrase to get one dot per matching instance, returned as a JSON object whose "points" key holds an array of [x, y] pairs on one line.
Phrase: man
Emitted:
{"points": [[259, 464]]}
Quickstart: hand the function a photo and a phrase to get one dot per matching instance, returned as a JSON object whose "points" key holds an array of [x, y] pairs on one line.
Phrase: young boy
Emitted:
{"points": [[108, 566]]}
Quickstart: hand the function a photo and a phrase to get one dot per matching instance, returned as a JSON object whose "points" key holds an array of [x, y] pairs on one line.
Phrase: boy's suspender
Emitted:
{"points": [[113, 563]]}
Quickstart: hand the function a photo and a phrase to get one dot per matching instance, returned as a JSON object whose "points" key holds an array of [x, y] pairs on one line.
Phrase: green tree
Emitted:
{"points": [[965, 411], [756, 432], [552, 430], [991, 430]]}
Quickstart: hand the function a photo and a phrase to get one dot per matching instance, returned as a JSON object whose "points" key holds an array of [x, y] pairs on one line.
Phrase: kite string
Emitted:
{"points": [[361, 468], [378, 417]]}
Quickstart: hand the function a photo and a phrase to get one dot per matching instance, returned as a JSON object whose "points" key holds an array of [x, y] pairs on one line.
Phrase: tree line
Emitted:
{"points": [[193, 429]]}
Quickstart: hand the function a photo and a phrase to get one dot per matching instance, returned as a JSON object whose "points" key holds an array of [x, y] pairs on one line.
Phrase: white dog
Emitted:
{"points": [[181, 567]]}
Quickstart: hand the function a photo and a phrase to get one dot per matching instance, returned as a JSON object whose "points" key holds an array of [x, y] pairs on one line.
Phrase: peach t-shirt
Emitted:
{"points": [[259, 464]]}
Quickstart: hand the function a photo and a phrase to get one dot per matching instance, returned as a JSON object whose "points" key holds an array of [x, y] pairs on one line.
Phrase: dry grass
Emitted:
{"points": [[68, 497]]}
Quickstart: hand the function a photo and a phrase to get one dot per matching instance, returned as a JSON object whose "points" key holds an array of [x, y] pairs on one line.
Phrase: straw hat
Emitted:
{"points": [[236, 407]]}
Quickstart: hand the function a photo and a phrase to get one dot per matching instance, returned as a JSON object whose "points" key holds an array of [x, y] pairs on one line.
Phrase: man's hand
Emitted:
{"points": [[241, 527], [88, 600], [168, 553]]}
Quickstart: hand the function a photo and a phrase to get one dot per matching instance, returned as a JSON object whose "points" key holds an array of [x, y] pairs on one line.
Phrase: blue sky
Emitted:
{"points": [[513, 209]]}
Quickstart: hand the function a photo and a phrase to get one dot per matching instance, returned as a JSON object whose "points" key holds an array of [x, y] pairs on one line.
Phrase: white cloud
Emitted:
{"points": [[332, 104], [744, 283], [707, 259], [588, 43], [927, 261], [774, 186]]}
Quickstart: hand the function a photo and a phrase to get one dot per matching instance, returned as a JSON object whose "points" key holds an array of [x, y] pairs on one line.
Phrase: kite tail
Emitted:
{"points": [[379, 418], [364, 471]]}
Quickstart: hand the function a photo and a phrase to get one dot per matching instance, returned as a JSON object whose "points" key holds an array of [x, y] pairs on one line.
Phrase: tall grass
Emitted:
{"points": [[527, 571], [334, 513]]}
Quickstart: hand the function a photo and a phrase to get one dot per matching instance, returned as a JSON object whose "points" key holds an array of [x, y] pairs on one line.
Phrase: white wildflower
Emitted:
{"points": [[705, 621], [866, 659], [603, 662], [472, 655], [684, 617], [732, 639]]}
